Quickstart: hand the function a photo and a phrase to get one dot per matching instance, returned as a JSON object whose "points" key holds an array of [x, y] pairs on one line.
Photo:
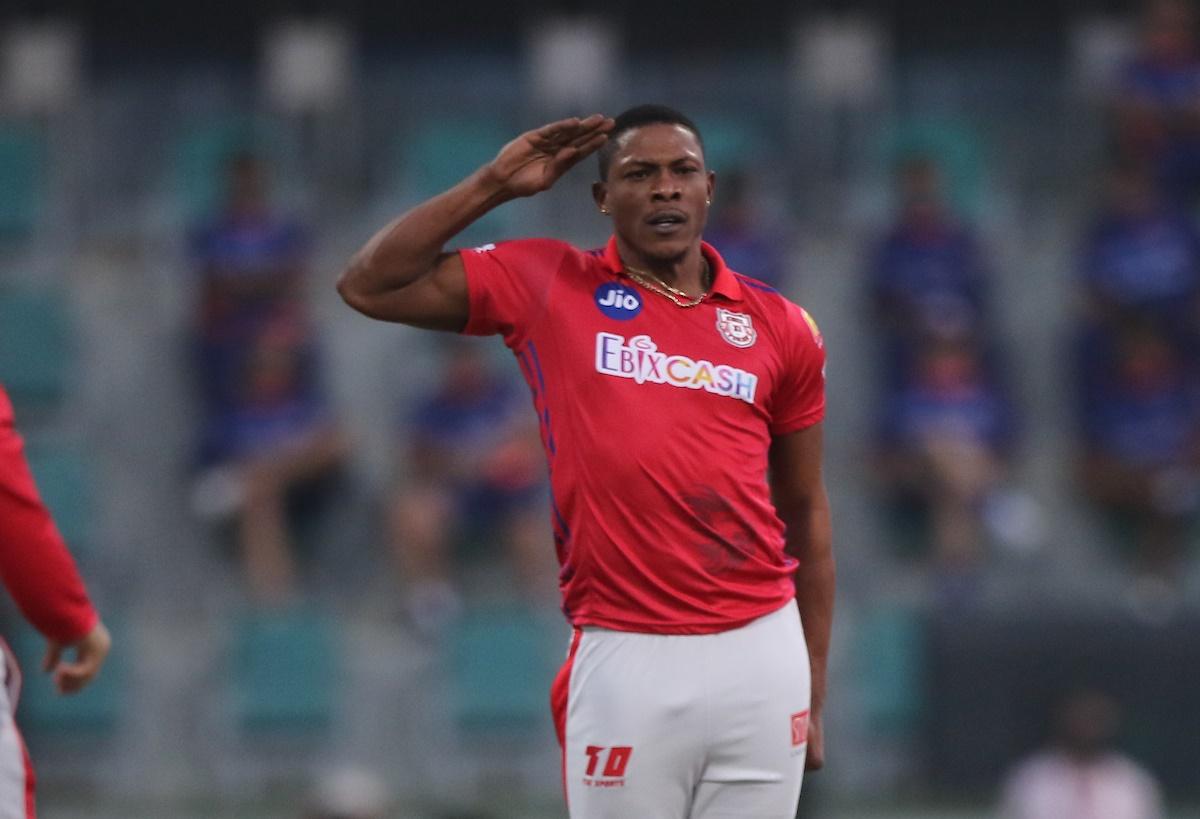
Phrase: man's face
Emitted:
{"points": [[657, 191]]}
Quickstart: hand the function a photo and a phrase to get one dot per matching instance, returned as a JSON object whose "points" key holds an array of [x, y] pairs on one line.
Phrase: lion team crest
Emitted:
{"points": [[736, 328]]}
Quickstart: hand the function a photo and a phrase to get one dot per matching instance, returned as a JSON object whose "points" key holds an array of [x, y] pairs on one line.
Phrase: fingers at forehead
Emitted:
{"points": [[574, 127]]}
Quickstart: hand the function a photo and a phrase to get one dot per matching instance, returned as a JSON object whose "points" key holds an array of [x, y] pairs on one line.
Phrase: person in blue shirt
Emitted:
{"points": [[473, 467], [946, 437], [1140, 459], [749, 240], [1157, 104], [268, 432], [1141, 255], [927, 275]]}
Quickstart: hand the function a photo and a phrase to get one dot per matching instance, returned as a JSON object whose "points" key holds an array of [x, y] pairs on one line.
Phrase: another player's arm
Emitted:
{"points": [[40, 574], [403, 274], [798, 490]]}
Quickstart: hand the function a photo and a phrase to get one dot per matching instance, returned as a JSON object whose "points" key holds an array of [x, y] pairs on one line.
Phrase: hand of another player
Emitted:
{"points": [[90, 652], [536, 159], [814, 759]]}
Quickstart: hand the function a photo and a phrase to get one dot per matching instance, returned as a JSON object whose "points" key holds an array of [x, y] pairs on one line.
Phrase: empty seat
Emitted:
{"points": [[502, 660], [35, 347], [22, 179], [284, 667]]}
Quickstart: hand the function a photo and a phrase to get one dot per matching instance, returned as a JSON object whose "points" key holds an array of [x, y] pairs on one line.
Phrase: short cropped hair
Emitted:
{"points": [[636, 117]]}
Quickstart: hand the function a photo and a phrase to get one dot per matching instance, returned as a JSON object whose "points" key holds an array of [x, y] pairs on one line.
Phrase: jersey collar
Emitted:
{"points": [[725, 284]]}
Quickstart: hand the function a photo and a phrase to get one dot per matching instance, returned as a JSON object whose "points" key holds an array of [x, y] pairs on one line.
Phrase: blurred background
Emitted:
{"points": [[322, 543]]}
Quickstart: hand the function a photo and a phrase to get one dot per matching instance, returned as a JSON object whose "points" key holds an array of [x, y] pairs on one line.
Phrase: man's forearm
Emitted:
{"points": [[810, 539], [407, 248]]}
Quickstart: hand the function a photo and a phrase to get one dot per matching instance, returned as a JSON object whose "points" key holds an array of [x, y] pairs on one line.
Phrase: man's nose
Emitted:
{"points": [[666, 189]]}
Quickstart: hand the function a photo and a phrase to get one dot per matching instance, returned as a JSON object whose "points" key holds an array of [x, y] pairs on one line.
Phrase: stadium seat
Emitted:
{"points": [[889, 656], [94, 711], [65, 484], [35, 347], [730, 144], [502, 661], [284, 667], [22, 179], [440, 153]]}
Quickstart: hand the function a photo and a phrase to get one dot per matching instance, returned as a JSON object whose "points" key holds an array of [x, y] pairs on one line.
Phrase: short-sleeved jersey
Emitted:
{"points": [[657, 422]]}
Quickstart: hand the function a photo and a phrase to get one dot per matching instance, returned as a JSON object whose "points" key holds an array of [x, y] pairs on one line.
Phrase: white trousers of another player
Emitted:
{"points": [[16, 774], [685, 726]]}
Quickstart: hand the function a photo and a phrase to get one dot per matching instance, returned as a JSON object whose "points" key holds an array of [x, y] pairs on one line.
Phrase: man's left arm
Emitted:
{"points": [[798, 490]]}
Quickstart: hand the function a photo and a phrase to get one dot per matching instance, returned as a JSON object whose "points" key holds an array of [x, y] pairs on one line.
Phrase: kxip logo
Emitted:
{"points": [[799, 728], [617, 302], [612, 775]]}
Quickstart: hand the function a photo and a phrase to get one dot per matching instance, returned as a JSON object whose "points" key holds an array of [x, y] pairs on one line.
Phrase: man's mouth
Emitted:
{"points": [[667, 221]]}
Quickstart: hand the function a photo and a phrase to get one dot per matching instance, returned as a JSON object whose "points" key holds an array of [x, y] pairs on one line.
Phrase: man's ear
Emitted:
{"points": [[600, 196]]}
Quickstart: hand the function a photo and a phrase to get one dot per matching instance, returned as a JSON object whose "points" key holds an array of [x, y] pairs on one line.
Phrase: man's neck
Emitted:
{"points": [[687, 272]]}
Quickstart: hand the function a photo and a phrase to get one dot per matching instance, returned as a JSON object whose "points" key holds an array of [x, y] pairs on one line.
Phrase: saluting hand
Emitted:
{"points": [[90, 651], [535, 160]]}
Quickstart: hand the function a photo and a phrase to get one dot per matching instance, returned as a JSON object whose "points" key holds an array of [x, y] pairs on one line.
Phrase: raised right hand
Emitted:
{"points": [[535, 160]]}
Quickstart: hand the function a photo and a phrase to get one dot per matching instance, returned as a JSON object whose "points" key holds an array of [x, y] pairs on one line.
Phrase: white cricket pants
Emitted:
{"points": [[16, 773], [706, 726]]}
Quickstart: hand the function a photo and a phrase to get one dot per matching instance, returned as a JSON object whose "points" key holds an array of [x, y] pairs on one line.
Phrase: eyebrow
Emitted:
{"points": [[633, 160]]}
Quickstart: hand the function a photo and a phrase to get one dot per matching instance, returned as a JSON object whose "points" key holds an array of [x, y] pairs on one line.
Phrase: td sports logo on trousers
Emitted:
{"points": [[618, 302]]}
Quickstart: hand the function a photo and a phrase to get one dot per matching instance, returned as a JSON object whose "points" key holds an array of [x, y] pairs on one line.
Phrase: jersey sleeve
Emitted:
{"points": [[799, 401], [35, 565], [508, 285]]}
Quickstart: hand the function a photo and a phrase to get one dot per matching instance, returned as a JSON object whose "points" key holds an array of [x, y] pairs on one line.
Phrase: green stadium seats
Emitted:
{"points": [[94, 711], [22, 179], [65, 483], [730, 144], [35, 347], [888, 656], [440, 153], [502, 660], [284, 670]]}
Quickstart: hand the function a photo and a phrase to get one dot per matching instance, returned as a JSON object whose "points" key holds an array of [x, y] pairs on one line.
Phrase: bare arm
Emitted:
{"points": [[800, 498], [402, 274]]}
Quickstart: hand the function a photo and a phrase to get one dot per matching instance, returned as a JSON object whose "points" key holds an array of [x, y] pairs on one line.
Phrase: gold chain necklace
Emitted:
{"points": [[656, 285]]}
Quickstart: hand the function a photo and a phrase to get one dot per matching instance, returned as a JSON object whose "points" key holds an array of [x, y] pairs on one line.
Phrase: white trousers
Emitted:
{"points": [[16, 774], [685, 726]]}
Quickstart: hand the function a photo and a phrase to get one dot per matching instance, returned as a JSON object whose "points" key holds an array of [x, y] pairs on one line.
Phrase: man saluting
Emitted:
{"points": [[680, 405]]}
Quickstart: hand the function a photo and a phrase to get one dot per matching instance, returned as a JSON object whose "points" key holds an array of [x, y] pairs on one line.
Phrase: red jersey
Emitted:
{"points": [[35, 565], [657, 421]]}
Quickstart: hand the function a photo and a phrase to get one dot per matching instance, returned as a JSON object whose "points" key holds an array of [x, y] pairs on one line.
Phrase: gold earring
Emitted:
{"points": [[708, 201], [604, 211]]}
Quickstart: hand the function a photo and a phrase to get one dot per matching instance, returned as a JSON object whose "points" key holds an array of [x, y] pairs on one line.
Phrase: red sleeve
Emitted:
{"points": [[35, 565], [509, 285], [799, 401]]}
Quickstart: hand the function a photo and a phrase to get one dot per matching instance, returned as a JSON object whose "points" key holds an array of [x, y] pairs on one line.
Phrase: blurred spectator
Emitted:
{"points": [[475, 473], [1082, 776], [945, 442], [269, 442], [1141, 255], [1141, 426], [749, 240], [1158, 100], [928, 276]]}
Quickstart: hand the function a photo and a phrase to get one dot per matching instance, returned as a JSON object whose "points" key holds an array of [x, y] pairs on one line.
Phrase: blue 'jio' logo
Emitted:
{"points": [[618, 302]]}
